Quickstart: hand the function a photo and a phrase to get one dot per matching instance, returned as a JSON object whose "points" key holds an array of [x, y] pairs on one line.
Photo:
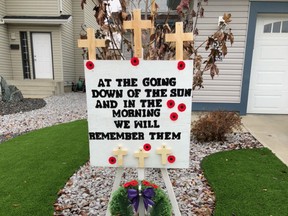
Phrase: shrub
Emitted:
{"points": [[214, 126]]}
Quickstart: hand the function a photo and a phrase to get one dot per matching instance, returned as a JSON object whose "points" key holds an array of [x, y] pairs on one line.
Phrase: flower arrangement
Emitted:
{"points": [[125, 201]]}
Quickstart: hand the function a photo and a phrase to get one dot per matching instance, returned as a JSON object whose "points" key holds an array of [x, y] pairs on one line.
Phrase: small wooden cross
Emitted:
{"points": [[163, 151], [91, 43], [137, 25], [120, 153], [141, 155], [179, 36]]}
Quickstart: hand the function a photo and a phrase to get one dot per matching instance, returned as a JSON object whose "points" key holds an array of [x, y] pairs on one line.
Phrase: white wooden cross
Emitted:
{"points": [[179, 36], [137, 25], [141, 155], [163, 151], [120, 153], [91, 43]]}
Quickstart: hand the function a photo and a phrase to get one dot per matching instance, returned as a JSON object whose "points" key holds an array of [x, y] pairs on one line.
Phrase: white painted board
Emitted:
{"points": [[132, 106]]}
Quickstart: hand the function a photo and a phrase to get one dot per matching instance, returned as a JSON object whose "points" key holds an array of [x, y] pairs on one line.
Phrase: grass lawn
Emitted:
{"points": [[248, 183], [34, 166]]}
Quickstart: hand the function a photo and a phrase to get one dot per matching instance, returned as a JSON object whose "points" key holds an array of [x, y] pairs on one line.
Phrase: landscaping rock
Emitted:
{"points": [[10, 93]]}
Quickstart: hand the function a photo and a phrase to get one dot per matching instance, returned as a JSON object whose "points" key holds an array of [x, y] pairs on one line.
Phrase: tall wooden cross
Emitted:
{"points": [[141, 155], [91, 43], [137, 25], [179, 36], [120, 153], [163, 151]]}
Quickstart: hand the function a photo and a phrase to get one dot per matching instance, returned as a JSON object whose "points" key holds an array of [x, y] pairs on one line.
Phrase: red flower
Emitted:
{"points": [[146, 183], [154, 186], [170, 103], [134, 183], [181, 65], [126, 185], [90, 65], [173, 116], [134, 61], [182, 107], [112, 160], [171, 158], [147, 147]]}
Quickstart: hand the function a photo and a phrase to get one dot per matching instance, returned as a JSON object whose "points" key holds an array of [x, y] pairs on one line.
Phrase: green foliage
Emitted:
{"points": [[121, 206], [247, 182], [36, 165], [214, 126]]}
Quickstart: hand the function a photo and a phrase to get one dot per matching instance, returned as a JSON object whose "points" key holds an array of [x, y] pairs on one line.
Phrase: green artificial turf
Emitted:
{"points": [[34, 166], [248, 182]]}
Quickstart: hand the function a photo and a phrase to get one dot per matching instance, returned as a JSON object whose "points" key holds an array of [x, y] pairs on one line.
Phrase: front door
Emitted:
{"points": [[42, 55], [268, 91]]}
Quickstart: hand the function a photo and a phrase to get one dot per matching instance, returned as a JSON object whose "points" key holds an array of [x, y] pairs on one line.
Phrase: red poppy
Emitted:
{"points": [[126, 185], [147, 147], [171, 158], [182, 107], [146, 183], [134, 183], [181, 65], [90, 65], [112, 160], [173, 116], [170, 103], [154, 186], [134, 61]]}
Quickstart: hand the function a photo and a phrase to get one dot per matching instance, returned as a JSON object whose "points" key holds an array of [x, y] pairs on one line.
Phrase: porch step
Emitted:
{"points": [[35, 88]]}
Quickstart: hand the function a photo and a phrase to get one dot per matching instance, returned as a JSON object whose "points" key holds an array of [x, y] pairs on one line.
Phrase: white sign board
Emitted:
{"points": [[139, 113]]}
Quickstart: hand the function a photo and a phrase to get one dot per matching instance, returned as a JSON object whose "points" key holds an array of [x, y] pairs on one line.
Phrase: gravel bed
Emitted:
{"points": [[58, 109], [87, 192]]}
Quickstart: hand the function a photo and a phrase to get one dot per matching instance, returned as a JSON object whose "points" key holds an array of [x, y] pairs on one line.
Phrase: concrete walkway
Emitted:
{"points": [[271, 131]]}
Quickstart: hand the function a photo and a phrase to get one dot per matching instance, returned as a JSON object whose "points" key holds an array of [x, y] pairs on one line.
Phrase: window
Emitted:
{"points": [[25, 55], [276, 27]]}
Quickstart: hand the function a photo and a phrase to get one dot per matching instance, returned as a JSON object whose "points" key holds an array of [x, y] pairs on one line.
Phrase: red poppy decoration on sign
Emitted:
{"points": [[134, 61], [147, 147], [173, 116], [171, 158], [112, 160], [182, 107], [181, 65], [170, 104], [90, 65]]}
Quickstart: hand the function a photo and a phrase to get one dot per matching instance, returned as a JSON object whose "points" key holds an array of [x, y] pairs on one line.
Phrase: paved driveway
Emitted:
{"points": [[271, 131]]}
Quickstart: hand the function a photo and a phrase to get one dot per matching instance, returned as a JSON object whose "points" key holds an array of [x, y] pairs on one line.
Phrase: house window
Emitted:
{"points": [[25, 55], [276, 27]]}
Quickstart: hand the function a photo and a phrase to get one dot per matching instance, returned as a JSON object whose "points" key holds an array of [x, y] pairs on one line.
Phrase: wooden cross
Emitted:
{"points": [[153, 12], [141, 155], [137, 25], [120, 153], [91, 43], [163, 151], [179, 36]]}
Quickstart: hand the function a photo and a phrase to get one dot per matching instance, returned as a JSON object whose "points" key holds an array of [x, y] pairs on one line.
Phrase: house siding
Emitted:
{"points": [[68, 45], [32, 8], [225, 88], [5, 69], [56, 49], [78, 20]]}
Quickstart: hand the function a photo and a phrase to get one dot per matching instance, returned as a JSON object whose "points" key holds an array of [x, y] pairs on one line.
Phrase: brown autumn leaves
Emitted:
{"points": [[156, 48]]}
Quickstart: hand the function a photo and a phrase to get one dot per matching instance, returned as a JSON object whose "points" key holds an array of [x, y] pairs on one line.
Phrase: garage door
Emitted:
{"points": [[268, 91]]}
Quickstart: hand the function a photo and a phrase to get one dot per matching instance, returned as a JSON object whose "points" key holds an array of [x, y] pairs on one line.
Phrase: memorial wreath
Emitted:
{"points": [[125, 200]]}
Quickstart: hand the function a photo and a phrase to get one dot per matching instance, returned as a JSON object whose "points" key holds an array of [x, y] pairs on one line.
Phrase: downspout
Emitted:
{"points": [[2, 21], [61, 6]]}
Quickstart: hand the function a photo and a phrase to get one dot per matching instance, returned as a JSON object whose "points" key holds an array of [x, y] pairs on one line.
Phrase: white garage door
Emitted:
{"points": [[268, 91]]}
